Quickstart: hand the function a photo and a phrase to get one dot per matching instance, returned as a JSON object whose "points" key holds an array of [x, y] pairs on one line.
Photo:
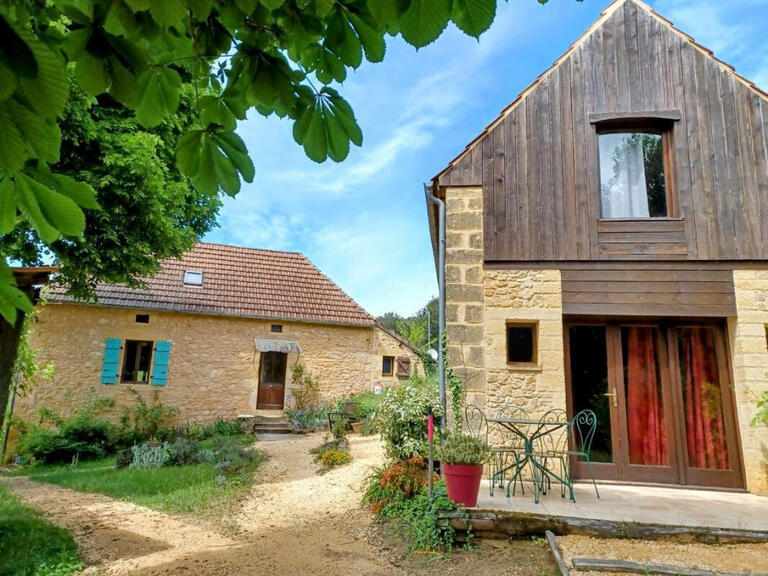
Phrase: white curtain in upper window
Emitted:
{"points": [[622, 176]]}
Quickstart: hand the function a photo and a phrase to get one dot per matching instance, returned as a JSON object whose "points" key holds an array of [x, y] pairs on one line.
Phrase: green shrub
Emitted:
{"points": [[48, 446], [421, 523], [387, 488], [150, 419], [340, 428], [228, 427], [305, 389], [402, 416], [366, 404], [334, 457], [761, 416], [463, 449], [308, 418], [149, 455]]}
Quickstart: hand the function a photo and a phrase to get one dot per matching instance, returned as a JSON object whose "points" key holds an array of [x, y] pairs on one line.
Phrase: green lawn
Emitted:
{"points": [[177, 489], [31, 546]]}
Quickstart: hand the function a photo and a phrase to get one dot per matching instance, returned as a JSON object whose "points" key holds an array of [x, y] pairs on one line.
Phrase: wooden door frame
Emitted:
{"points": [[672, 399], [258, 388], [602, 470]]}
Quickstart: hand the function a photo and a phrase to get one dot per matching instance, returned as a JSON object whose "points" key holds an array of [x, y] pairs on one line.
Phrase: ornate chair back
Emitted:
{"points": [[554, 433], [583, 429], [477, 425], [509, 438]]}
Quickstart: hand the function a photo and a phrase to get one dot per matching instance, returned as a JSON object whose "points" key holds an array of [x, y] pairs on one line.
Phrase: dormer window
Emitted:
{"points": [[632, 174], [193, 277]]}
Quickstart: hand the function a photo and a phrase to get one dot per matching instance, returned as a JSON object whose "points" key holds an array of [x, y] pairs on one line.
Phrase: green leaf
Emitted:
{"points": [[31, 210], [138, 5], [8, 81], [26, 135], [387, 12], [83, 194], [7, 205], [48, 90], [326, 126], [15, 51], [168, 12], [322, 7], [270, 4], [200, 8], [371, 38], [326, 65], [234, 148], [474, 17], [121, 20], [50, 212], [341, 39], [424, 21], [159, 90], [214, 110], [212, 161], [91, 73]]}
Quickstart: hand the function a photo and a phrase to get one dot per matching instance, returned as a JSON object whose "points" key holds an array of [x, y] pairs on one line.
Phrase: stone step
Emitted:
{"points": [[271, 430]]}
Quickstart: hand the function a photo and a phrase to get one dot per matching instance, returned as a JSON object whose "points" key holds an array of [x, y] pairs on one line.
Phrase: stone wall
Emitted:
{"points": [[480, 302], [530, 296], [749, 349], [213, 369], [464, 314]]}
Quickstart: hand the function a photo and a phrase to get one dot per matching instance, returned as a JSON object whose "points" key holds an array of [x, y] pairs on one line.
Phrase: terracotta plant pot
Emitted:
{"points": [[357, 427], [463, 482]]}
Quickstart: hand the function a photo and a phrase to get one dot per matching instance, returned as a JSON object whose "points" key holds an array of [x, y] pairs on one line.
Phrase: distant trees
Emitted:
{"points": [[421, 329]]}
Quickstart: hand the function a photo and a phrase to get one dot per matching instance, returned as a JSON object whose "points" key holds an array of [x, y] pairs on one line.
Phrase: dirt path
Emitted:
{"points": [[293, 521]]}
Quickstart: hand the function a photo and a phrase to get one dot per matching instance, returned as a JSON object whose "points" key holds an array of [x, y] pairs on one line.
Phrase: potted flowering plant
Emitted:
{"points": [[461, 459]]}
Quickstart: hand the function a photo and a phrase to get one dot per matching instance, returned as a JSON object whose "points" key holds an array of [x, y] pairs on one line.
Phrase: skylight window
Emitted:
{"points": [[193, 277]]}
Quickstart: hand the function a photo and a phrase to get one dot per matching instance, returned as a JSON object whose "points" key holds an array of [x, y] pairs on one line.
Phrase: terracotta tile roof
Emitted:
{"points": [[244, 282]]}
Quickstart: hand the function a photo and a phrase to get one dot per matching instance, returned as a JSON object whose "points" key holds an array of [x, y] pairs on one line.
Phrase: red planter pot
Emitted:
{"points": [[463, 482]]}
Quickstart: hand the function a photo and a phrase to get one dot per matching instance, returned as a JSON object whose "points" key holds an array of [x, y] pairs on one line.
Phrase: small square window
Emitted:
{"points": [[276, 328], [193, 277], [137, 359], [142, 318], [387, 365], [632, 174], [521, 343]]}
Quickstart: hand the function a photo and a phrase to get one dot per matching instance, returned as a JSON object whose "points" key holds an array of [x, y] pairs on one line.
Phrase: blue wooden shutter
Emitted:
{"points": [[110, 366], [160, 363]]}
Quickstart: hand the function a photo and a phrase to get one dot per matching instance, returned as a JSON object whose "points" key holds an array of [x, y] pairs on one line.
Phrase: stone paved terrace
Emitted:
{"points": [[639, 504]]}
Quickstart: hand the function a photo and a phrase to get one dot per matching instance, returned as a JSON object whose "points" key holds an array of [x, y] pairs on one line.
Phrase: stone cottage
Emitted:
{"points": [[217, 333], [607, 249]]}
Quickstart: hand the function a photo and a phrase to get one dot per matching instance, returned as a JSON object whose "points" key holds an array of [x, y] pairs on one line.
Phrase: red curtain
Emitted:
{"points": [[645, 409], [704, 426]]}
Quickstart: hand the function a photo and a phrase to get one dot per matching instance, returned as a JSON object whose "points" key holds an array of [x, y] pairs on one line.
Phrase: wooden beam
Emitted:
{"points": [[556, 553], [624, 567], [497, 524], [666, 115]]}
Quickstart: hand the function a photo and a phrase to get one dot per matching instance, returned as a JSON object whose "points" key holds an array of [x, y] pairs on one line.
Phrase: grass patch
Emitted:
{"points": [[191, 489], [32, 546]]}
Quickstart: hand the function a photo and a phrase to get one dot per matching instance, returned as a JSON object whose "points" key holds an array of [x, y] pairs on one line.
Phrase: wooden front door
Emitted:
{"points": [[272, 381], [661, 392]]}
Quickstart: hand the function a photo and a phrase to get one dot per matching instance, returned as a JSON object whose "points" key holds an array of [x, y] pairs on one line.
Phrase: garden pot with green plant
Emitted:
{"points": [[462, 458]]}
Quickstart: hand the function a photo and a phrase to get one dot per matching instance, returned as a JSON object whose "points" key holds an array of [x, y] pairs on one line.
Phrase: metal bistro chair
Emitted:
{"points": [[477, 426], [512, 448], [583, 427], [551, 451]]}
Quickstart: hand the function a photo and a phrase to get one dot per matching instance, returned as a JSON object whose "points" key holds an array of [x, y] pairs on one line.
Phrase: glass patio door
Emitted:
{"points": [[660, 391], [648, 452], [708, 425]]}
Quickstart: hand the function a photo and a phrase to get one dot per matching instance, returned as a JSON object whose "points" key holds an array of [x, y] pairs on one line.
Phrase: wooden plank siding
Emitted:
{"points": [[648, 289], [538, 164]]}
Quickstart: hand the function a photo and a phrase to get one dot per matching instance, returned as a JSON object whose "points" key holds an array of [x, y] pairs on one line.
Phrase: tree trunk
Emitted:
{"points": [[10, 336]]}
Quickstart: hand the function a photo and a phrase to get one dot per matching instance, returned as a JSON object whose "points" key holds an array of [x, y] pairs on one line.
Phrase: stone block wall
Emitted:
{"points": [[529, 296], [749, 349], [213, 368], [480, 302], [464, 311]]}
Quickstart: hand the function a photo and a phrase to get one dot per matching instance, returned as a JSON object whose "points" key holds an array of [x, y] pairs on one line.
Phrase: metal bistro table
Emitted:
{"points": [[532, 432]]}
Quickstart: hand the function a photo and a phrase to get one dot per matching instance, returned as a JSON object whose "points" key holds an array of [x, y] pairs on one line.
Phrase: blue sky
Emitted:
{"points": [[363, 222]]}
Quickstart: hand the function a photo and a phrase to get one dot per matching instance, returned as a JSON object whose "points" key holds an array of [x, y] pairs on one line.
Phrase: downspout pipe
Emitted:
{"points": [[429, 190]]}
